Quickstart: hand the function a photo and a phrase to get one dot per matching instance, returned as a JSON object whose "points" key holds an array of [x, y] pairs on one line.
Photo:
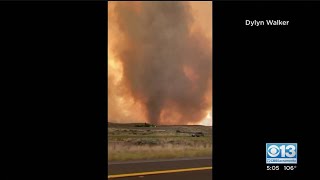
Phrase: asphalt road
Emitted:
{"points": [[191, 175], [163, 165]]}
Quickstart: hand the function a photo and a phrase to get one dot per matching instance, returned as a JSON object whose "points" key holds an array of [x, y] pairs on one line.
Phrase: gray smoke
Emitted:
{"points": [[166, 67]]}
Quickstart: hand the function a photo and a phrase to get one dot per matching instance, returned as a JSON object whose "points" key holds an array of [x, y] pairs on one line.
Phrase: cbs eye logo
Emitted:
{"points": [[273, 151], [281, 153]]}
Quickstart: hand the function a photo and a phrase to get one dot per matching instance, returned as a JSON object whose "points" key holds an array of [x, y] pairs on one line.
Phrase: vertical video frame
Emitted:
{"points": [[160, 90]]}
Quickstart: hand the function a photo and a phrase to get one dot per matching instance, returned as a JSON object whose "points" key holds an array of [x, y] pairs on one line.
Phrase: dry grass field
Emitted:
{"points": [[137, 142]]}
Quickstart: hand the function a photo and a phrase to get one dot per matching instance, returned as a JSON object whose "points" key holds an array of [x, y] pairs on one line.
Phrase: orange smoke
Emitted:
{"points": [[159, 63]]}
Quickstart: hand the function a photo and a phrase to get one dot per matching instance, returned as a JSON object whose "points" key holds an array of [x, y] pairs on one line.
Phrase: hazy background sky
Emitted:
{"points": [[202, 24]]}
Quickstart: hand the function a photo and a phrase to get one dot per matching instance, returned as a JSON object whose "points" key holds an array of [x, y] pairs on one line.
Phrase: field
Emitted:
{"points": [[141, 141]]}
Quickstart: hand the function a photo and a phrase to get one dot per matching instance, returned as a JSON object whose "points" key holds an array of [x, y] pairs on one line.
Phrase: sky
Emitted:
{"points": [[202, 15]]}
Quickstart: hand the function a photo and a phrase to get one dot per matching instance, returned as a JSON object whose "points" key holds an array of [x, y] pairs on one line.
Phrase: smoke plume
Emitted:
{"points": [[164, 67]]}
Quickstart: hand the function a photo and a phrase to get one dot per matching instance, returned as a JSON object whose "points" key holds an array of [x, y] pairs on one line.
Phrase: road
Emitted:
{"points": [[185, 169]]}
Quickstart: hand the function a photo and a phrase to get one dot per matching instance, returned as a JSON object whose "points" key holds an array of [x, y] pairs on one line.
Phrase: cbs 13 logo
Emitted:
{"points": [[281, 153]]}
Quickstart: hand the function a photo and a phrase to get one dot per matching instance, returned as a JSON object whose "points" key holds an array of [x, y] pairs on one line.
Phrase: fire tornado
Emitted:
{"points": [[159, 64]]}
